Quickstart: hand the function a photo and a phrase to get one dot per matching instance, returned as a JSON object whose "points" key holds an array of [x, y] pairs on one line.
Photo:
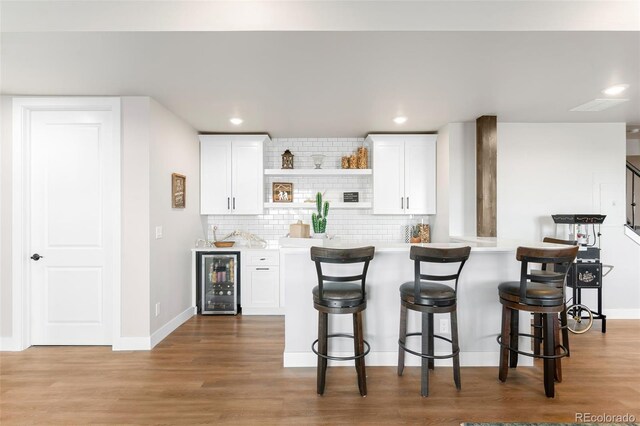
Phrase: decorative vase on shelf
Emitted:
{"points": [[317, 160]]}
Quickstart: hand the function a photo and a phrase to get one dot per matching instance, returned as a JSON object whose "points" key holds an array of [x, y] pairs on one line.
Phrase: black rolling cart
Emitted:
{"points": [[587, 271]]}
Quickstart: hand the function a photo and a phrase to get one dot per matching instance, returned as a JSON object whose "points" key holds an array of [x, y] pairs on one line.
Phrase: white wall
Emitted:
{"points": [[633, 146], [135, 314], [174, 148], [440, 223], [462, 179], [6, 312], [548, 168]]}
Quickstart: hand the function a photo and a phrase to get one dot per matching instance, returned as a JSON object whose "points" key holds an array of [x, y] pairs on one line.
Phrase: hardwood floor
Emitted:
{"points": [[229, 370]]}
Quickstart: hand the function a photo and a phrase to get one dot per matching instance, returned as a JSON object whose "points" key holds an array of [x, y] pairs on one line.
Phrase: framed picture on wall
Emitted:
{"points": [[282, 192], [178, 191]]}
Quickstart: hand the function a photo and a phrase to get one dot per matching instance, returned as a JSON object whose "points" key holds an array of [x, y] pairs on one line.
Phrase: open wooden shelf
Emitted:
{"points": [[317, 172]]}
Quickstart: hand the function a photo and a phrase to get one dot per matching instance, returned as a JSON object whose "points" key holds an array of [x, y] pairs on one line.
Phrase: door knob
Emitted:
{"points": [[36, 257]]}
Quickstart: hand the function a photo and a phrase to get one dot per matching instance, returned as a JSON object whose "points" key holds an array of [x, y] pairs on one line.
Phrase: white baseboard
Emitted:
{"points": [[169, 327], [633, 313], [147, 343], [9, 344], [131, 344], [387, 359]]}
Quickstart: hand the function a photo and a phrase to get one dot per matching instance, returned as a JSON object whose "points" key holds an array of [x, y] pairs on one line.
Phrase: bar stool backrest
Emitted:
{"points": [[557, 241], [322, 255], [436, 255], [562, 257]]}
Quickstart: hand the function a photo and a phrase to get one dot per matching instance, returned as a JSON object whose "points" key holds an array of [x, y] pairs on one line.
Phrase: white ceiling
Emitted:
{"points": [[334, 83]]}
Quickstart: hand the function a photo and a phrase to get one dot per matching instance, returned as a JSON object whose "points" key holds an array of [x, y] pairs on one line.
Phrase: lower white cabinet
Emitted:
{"points": [[260, 281]]}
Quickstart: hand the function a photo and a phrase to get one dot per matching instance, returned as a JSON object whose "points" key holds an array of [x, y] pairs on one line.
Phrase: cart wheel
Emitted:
{"points": [[579, 319]]}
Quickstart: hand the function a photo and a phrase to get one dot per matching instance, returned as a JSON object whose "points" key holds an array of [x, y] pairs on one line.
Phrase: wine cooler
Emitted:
{"points": [[218, 282]]}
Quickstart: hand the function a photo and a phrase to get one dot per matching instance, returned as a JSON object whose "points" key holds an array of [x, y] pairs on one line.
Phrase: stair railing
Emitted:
{"points": [[635, 176]]}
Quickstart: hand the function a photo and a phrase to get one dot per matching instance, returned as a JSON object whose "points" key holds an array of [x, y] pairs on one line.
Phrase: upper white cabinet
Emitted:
{"points": [[231, 174], [404, 174]]}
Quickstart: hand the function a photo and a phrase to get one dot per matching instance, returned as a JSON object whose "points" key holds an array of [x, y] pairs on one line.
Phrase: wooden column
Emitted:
{"points": [[486, 144]]}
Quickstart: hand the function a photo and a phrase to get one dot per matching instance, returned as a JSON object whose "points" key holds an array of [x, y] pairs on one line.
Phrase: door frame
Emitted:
{"points": [[21, 280]]}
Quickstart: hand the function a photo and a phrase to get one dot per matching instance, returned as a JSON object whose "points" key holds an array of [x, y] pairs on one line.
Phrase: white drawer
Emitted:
{"points": [[261, 257]]}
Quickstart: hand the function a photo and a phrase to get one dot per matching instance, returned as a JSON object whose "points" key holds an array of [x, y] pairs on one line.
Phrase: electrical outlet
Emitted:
{"points": [[158, 232], [158, 309], [444, 326]]}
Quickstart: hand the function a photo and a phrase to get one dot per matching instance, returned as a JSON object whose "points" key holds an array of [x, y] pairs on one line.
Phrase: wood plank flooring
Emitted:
{"points": [[228, 370]]}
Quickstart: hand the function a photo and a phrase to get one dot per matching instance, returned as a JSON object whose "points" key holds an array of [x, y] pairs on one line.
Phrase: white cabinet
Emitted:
{"points": [[260, 282], [404, 174], [231, 174]]}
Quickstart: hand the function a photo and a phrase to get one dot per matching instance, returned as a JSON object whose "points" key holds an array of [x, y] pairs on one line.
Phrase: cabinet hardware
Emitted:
{"points": [[234, 203], [228, 203], [262, 269], [402, 202], [263, 258], [407, 203]]}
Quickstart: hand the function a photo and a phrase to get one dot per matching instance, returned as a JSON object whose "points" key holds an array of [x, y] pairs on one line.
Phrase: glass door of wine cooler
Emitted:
{"points": [[219, 283]]}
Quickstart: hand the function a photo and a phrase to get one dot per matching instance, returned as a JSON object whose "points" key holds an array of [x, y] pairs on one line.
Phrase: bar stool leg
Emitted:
{"points": [[455, 347], [565, 329], [504, 352], [358, 346], [549, 350], [403, 338], [515, 329], [537, 333], [558, 351], [426, 349], [323, 322], [431, 341]]}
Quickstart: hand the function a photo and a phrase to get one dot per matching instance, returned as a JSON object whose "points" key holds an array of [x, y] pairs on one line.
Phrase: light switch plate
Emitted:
{"points": [[158, 232]]}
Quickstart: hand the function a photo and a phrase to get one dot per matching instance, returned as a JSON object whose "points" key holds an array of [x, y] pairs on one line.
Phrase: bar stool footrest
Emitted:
{"points": [[341, 358], [421, 355], [563, 354]]}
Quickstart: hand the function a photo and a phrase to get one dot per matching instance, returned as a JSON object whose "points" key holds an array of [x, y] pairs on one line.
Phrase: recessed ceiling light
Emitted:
{"points": [[400, 120], [236, 121], [615, 90]]}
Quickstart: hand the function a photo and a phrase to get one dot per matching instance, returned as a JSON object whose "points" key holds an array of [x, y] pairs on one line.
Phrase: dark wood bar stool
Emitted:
{"points": [[428, 297], [340, 295], [537, 318], [541, 294]]}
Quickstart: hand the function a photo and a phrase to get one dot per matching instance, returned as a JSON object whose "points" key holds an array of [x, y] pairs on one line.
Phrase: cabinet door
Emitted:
{"points": [[261, 287], [388, 176], [248, 169], [215, 175], [420, 175]]}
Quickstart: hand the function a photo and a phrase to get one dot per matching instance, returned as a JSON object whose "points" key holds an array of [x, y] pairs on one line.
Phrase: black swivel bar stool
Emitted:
{"points": [[428, 298], [542, 294], [340, 295], [537, 318]]}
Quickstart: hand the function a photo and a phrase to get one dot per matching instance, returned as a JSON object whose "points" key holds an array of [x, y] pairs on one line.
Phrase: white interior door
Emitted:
{"points": [[72, 226]]}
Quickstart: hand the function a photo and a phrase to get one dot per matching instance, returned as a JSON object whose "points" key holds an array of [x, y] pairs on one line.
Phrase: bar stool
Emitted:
{"points": [[428, 298], [542, 294], [340, 295], [537, 318]]}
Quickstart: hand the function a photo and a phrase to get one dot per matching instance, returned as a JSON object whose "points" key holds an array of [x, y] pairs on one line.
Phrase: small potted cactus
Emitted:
{"points": [[415, 234], [319, 219]]}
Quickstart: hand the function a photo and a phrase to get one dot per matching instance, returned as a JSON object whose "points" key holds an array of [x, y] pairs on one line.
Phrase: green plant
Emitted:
{"points": [[319, 219], [415, 231]]}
